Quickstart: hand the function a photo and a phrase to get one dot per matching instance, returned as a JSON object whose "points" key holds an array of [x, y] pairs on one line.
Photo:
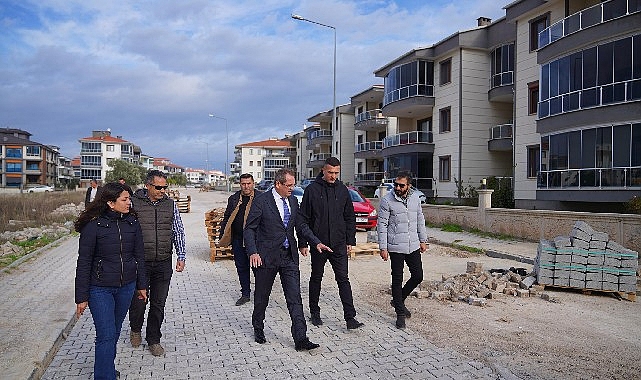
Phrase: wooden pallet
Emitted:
{"points": [[629, 296], [220, 253], [364, 249]]}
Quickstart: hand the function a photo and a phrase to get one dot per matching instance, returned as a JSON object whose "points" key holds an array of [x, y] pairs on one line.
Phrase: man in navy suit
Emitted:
{"points": [[271, 246]]}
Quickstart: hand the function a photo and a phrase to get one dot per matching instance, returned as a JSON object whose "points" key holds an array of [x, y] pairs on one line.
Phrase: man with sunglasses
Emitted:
{"points": [[402, 237], [162, 231]]}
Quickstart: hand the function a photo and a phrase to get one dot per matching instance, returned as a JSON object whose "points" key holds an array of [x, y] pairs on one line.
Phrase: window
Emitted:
{"points": [[446, 71], [444, 168], [410, 79], [533, 97], [14, 167], [536, 26], [251, 163], [33, 150], [257, 163], [110, 148], [251, 151], [14, 153], [532, 161], [502, 66], [445, 120]]}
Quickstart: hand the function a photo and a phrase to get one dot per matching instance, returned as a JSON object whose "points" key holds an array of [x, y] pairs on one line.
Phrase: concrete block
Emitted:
{"points": [[615, 247], [600, 236], [563, 258], [545, 280], [579, 259], [589, 284], [579, 284], [562, 274], [546, 257], [561, 282], [562, 242], [610, 261], [527, 282], [610, 277], [583, 226], [597, 244], [628, 288], [594, 276], [610, 286], [522, 292], [545, 272], [595, 259], [577, 275], [629, 279], [580, 243], [630, 264], [580, 235]]}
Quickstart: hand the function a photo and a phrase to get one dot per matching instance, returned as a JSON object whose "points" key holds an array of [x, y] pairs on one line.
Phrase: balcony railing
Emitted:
{"points": [[594, 15], [502, 79], [503, 131], [621, 177], [319, 157], [405, 138], [319, 133], [371, 176], [408, 92], [368, 146]]}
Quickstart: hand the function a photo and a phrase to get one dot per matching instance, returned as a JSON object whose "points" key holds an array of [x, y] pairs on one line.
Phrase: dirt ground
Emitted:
{"points": [[579, 336]]}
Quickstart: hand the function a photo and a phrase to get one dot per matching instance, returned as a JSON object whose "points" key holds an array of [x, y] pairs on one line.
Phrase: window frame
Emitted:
{"points": [[533, 97], [445, 162], [445, 127], [445, 76]]}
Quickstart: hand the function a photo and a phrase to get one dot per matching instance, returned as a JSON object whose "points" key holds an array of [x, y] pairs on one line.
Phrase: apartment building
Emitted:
{"points": [[299, 150], [326, 139], [263, 158], [97, 151], [25, 163], [577, 103], [453, 109]]}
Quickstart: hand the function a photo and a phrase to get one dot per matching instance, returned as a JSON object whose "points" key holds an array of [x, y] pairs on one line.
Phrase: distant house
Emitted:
{"points": [[25, 163]]}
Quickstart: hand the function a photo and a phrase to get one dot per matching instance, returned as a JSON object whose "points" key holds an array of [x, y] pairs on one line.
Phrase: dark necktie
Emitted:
{"points": [[286, 215]]}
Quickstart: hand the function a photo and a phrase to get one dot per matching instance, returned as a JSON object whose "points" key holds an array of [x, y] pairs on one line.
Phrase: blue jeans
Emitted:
{"points": [[242, 266], [109, 306]]}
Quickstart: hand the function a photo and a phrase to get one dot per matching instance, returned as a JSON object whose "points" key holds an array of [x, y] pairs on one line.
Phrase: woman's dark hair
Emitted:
{"points": [[109, 192]]}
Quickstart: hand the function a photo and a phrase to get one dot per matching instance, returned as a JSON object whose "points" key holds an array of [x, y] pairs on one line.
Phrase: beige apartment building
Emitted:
{"points": [[263, 158]]}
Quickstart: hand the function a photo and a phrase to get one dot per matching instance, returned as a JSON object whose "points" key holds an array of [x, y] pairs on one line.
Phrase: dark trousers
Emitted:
{"points": [[290, 280], [158, 277], [338, 260], [400, 291], [242, 266]]}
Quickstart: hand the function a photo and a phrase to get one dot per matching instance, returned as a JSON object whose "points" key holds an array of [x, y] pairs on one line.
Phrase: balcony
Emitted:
{"points": [[586, 18], [289, 152], [319, 136], [500, 138], [589, 185], [318, 160], [370, 149], [371, 120], [369, 178]]}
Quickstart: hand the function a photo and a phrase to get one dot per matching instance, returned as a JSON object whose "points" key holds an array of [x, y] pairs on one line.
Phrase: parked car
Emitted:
{"points": [[264, 184], [366, 215], [390, 187], [40, 189], [306, 182]]}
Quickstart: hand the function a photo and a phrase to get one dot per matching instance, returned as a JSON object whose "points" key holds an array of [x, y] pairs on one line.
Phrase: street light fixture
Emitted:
{"points": [[226, 146], [301, 18]]}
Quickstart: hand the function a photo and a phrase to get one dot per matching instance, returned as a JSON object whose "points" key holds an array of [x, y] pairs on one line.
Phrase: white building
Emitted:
{"points": [[98, 150], [263, 158]]}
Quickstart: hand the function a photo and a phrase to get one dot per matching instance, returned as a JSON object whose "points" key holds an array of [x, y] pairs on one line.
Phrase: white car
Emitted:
{"points": [[390, 187], [40, 189]]}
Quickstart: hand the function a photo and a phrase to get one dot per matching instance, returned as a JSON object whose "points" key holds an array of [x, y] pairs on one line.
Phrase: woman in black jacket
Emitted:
{"points": [[110, 268]]}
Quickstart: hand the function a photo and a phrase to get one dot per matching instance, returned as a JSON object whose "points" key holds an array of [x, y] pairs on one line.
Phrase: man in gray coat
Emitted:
{"points": [[402, 237]]}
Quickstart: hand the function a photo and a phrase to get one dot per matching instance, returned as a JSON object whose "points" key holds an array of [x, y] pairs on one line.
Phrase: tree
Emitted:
{"points": [[132, 173], [177, 179]]}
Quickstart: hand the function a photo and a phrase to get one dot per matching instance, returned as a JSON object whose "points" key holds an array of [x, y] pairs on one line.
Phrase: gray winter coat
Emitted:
{"points": [[401, 228]]}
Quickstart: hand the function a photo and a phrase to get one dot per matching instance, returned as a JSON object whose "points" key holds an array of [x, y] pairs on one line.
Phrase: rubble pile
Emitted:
{"points": [[53, 230], [476, 286], [586, 259], [10, 249], [69, 209]]}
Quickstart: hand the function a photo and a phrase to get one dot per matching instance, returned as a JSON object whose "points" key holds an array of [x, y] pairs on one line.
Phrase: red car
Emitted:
{"points": [[366, 215]]}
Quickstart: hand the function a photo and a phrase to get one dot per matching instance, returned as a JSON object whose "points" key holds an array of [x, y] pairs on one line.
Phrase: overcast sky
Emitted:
{"points": [[152, 71]]}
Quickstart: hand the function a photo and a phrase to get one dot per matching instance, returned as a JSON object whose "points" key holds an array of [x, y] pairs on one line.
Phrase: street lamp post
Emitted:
{"points": [[301, 18], [226, 147]]}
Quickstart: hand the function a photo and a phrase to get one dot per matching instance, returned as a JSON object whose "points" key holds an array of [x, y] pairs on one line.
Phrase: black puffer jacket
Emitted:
{"points": [[328, 210], [110, 253]]}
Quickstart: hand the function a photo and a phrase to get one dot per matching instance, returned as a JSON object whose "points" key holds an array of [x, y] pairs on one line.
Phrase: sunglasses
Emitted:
{"points": [[401, 185], [160, 187]]}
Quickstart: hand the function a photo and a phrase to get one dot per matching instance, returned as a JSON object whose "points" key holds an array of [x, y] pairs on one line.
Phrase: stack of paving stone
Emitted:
{"points": [[587, 259], [213, 220]]}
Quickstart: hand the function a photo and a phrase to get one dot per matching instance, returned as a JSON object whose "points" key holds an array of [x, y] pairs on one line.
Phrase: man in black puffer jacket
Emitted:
{"points": [[328, 210]]}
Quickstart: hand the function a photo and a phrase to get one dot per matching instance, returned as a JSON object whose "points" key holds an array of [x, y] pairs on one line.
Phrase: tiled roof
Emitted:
{"points": [[267, 143], [104, 139]]}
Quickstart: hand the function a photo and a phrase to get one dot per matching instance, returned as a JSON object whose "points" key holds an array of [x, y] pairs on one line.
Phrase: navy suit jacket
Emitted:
{"points": [[265, 232]]}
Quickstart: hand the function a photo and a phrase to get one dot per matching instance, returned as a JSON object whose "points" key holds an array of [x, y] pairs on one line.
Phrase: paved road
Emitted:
{"points": [[205, 336]]}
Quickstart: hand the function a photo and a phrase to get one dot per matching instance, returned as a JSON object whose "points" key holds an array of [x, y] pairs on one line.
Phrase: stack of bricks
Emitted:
{"points": [[586, 259], [213, 220]]}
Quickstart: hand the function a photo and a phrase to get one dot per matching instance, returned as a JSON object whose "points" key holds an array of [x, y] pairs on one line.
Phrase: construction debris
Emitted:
{"points": [[587, 260]]}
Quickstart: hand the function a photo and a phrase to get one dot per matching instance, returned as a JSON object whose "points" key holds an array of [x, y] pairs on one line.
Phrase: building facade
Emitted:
{"points": [[25, 163], [97, 151], [263, 158]]}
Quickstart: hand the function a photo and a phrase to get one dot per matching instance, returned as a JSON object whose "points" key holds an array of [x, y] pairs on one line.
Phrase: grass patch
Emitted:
{"points": [[448, 227], [36, 209], [27, 246], [467, 248]]}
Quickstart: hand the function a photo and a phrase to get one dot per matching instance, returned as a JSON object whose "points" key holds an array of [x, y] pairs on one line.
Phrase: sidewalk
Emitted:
{"points": [[206, 337]]}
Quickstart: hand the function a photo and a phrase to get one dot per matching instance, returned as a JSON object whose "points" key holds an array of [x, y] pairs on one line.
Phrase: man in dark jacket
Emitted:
{"points": [[162, 230], [231, 231], [92, 190], [328, 211]]}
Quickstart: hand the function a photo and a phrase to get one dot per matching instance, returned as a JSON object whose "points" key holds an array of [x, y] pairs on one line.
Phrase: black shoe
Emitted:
{"points": [[354, 324], [242, 300], [306, 345], [316, 320], [400, 322], [408, 314], [259, 336]]}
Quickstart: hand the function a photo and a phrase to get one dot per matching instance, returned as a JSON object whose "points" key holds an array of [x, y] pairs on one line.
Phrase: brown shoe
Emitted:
{"points": [[135, 338], [156, 349]]}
